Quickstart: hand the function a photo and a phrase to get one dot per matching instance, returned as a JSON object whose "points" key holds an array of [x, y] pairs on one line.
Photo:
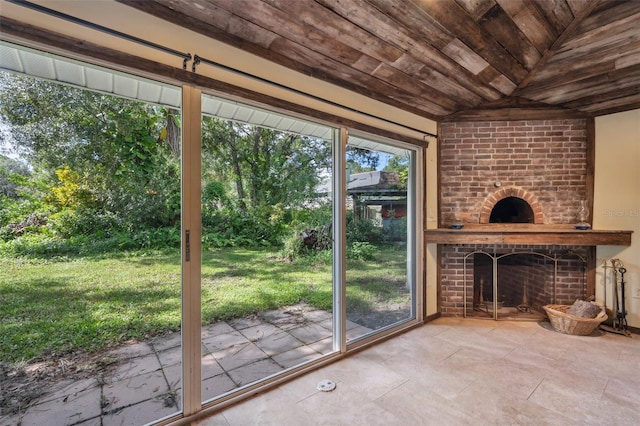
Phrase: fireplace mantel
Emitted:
{"points": [[513, 234]]}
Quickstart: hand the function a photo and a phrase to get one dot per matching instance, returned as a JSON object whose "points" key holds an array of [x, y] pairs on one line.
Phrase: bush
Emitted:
{"points": [[359, 230], [293, 246], [362, 251], [68, 223], [233, 227]]}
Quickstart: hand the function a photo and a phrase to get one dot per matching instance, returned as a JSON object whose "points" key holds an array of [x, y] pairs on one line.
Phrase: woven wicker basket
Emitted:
{"points": [[572, 324]]}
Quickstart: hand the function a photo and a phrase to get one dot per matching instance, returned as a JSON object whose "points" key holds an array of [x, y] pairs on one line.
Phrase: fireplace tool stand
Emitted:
{"points": [[619, 324]]}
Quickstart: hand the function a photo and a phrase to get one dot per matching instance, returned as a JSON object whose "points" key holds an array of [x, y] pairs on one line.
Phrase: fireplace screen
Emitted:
{"points": [[517, 284]]}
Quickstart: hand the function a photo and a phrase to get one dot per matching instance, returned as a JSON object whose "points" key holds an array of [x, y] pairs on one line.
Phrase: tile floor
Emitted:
{"points": [[448, 372], [463, 372]]}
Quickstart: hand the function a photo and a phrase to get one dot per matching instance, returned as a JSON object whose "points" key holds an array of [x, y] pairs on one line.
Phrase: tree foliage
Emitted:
{"points": [[399, 165], [108, 167], [256, 180], [100, 164]]}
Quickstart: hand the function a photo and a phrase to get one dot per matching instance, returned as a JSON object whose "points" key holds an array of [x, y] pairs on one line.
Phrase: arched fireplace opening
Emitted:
{"points": [[511, 210]]}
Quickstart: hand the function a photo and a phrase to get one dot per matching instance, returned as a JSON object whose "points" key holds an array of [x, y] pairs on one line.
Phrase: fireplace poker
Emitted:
{"points": [[619, 318], [620, 322], [617, 322]]}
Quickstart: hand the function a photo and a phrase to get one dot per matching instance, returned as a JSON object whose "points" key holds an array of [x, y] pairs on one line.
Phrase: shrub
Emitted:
{"points": [[362, 230], [362, 251], [234, 227], [68, 223]]}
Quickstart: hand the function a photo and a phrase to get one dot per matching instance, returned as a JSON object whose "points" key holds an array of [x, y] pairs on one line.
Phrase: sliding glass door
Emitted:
{"points": [[379, 221], [266, 278], [290, 238]]}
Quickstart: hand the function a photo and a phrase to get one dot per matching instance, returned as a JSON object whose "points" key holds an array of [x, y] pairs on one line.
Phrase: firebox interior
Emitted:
{"points": [[511, 210]]}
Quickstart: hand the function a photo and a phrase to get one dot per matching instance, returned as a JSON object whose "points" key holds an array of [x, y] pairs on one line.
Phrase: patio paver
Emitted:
{"points": [[146, 382]]}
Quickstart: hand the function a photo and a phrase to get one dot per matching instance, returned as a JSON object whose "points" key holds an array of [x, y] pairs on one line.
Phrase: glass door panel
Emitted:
{"points": [[90, 243], [266, 244], [378, 287]]}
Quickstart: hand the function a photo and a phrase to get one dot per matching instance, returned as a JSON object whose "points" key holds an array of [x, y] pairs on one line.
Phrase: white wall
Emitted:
{"points": [[617, 202]]}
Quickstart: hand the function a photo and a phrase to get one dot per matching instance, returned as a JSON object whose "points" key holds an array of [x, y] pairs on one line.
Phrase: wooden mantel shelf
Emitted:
{"points": [[511, 234]]}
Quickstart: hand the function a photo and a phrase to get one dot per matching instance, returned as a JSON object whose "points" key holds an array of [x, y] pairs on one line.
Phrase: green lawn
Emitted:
{"points": [[52, 307]]}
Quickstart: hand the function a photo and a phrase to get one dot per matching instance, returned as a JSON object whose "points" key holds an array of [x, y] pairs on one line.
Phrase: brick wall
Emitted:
{"points": [[544, 158], [543, 162]]}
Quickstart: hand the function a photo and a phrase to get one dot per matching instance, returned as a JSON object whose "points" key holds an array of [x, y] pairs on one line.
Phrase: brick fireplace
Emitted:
{"points": [[544, 162], [539, 170]]}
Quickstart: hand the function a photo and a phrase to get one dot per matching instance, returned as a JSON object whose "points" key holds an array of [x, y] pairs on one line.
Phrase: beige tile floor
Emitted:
{"points": [[463, 372]]}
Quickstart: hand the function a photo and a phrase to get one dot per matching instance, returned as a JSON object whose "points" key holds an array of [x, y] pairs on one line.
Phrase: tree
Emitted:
{"points": [[263, 167], [12, 172], [124, 152], [399, 165], [108, 163], [267, 177], [361, 159]]}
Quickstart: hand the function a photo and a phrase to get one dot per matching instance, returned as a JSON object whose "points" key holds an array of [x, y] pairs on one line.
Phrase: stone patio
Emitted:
{"points": [[145, 384]]}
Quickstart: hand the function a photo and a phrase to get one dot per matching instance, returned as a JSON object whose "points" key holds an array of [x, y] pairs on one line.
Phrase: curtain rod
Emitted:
{"points": [[186, 56], [198, 59]]}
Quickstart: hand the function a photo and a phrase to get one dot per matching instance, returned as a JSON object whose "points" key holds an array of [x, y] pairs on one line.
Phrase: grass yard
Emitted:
{"points": [[53, 307]]}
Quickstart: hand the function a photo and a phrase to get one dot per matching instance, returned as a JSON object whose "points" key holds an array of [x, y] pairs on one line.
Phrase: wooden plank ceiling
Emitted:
{"points": [[441, 59]]}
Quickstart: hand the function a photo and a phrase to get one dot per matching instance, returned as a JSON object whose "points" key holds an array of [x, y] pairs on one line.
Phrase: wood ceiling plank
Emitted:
{"points": [[627, 28], [606, 13], [623, 103], [324, 28], [386, 28], [400, 24], [462, 26], [577, 6], [476, 8], [285, 53], [531, 22], [557, 13], [549, 54], [326, 35], [591, 64], [446, 85], [501, 26], [391, 75], [422, 99], [312, 20], [558, 81], [503, 84], [463, 55], [628, 59], [623, 79], [620, 89]]}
